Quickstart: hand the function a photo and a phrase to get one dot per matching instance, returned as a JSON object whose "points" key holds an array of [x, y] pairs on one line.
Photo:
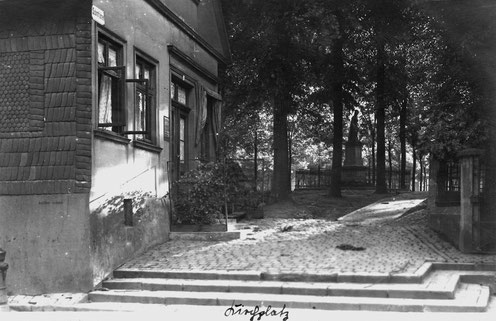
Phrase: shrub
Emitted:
{"points": [[202, 193], [199, 196]]}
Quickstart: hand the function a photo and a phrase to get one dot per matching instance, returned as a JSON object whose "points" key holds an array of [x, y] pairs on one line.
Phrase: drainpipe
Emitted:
{"points": [[3, 289]]}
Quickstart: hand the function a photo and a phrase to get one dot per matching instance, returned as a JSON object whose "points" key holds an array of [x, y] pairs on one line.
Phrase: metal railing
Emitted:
{"points": [[321, 178]]}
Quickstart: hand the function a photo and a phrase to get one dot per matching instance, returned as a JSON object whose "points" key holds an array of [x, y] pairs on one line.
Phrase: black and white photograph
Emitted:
{"points": [[247, 160]]}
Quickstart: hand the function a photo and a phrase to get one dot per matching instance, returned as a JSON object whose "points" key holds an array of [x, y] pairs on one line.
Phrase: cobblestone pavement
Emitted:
{"points": [[311, 246]]}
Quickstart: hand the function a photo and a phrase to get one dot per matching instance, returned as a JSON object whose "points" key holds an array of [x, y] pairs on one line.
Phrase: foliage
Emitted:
{"points": [[430, 62], [273, 43], [202, 193], [199, 195]]}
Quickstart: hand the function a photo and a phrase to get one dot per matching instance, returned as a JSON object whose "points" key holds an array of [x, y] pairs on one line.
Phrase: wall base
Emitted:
{"points": [[47, 242]]}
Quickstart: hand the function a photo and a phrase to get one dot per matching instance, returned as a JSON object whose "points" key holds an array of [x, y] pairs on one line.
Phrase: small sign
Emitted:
{"points": [[98, 15], [166, 129]]}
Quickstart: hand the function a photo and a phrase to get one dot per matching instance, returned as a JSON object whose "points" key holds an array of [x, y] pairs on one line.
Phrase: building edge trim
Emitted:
{"points": [[174, 51], [166, 12]]}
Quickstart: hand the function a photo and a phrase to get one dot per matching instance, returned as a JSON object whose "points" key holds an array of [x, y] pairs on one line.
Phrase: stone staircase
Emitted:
{"points": [[433, 288]]}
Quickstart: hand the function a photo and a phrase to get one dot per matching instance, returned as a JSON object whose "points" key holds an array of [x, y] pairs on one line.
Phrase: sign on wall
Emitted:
{"points": [[98, 15]]}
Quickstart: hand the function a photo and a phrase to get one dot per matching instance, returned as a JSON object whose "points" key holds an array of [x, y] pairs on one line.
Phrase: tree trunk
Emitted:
{"points": [[255, 160], [372, 133], [403, 116], [290, 156], [421, 178], [281, 185], [414, 166], [390, 161], [381, 187], [337, 62]]}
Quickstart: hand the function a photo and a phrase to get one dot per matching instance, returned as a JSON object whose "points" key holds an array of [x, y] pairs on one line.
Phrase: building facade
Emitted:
{"points": [[102, 105]]}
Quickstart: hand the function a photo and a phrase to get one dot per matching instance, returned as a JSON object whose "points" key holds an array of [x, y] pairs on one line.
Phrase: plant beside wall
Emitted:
{"points": [[200, 195], [203, 195]]}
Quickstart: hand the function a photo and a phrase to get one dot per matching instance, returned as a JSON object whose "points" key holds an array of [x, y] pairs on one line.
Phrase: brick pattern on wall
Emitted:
{"points": [[14, 92], [84, 105], [45, 110]]}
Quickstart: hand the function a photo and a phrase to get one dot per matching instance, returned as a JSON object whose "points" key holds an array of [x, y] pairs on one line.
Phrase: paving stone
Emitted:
{"points": [[310, 246], [398, 249]]}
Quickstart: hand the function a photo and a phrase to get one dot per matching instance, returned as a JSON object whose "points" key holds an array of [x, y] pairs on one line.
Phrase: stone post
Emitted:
{"points": [[3, 289], [469, 241]]}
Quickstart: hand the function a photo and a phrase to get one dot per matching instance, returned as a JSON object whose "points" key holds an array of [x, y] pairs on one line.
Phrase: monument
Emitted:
{"points": [[353, 172]]}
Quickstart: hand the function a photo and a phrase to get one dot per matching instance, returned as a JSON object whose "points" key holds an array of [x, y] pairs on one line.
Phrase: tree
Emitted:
{"points": [[273, 42], [387, 18], [337, 84]]}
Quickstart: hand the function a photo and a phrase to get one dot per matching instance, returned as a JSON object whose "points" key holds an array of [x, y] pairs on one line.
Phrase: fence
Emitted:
{"points": [[312, 178], [321, 178]]}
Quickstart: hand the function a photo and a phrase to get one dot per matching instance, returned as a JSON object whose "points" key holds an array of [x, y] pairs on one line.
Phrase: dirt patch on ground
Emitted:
{"points": [[317, 204]]}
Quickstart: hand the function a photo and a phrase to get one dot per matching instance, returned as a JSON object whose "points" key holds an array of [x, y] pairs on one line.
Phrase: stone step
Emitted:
{"points": [[473, 276], [438, 286], [90, 307], [467, 298], [416, 277], [205, 236]]}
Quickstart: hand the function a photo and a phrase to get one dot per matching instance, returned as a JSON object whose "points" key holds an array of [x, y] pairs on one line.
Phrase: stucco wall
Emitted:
{"points": [[113, 242], [122, 171], [446, 221], [186, 9], [47, 241]]}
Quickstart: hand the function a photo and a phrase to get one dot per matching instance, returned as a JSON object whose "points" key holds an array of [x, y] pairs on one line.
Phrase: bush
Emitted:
{"points": [[202, 193]]}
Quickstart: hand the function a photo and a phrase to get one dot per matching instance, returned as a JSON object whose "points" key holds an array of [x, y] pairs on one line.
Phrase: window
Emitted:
{"points": [[178, 93], [111, 113], [182, 138], [180, 126], [145, 99]]}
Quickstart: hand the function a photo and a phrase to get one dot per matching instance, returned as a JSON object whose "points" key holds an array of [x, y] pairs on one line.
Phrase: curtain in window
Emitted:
{"points": [[216, 119], [105, 100], [140, 115], [201, 118]]}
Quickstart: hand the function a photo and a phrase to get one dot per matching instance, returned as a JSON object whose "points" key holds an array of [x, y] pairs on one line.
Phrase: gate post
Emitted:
{"points": [[3, 289], [469, 238]]}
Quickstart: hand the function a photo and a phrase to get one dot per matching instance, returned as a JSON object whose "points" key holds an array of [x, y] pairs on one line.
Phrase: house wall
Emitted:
{"points": [[122, 169], [47, 242], [45, 139], [210, 11], [186, 9], [62, 182]]}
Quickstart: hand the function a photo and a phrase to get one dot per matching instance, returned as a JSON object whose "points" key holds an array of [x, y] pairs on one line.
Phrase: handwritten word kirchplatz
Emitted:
{"points": [[256, 312]]}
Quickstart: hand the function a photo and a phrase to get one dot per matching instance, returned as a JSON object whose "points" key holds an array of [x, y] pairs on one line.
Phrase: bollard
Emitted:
{"points": [[3, 288]]}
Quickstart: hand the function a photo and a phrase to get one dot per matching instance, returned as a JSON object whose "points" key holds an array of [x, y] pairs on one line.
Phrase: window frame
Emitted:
{"points": [[148, 88], [180, 111], [116, 73]]}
